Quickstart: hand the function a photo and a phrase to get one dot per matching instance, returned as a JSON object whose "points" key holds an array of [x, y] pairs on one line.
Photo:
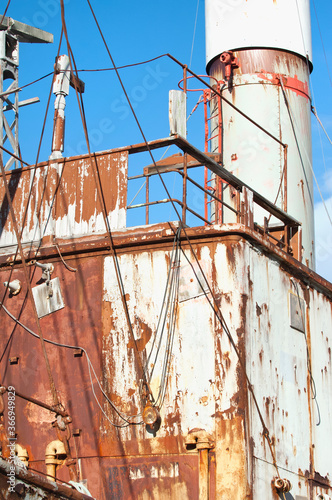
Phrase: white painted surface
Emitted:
{"points": [[257, 159], [253, 292], [277, 24]]}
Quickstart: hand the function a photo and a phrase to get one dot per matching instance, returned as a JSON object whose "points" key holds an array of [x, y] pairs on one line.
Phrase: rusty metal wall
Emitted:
{"points": [[64, 201], [210, 431], [206, 387]]}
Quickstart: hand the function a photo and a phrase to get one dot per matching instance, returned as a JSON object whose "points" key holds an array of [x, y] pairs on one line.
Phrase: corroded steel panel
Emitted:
{"points": [[189, 401], [64, 200], [286, 369], [206, 387], [78, 324], [78, 211]]}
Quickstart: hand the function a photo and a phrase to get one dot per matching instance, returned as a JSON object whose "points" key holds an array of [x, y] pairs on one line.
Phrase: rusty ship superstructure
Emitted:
{"points": [[175, 359]]}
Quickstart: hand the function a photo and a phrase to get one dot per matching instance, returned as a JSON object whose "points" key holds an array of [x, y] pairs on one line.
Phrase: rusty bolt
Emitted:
{"points": [[20, 489]]}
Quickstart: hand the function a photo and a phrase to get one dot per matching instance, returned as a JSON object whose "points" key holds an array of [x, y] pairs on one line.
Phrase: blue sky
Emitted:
{"points": [[137, 31]]}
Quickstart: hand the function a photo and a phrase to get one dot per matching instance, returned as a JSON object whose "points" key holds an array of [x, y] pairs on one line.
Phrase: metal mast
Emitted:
{"points": [[11, 33]]}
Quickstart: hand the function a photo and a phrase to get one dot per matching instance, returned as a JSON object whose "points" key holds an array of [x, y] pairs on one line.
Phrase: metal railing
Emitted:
{"points": [[284, 233]]}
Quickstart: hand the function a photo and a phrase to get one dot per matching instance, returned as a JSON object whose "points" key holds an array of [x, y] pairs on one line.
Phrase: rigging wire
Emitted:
{"points": [[214, 304], [313, 109], [312, 91], [164, 300], [171, 332], [220, 318], [167, 320], [321, 142], [94, 165], [192, 46], [123, 67], [32, 185], [18, 89], [184, 229], [57, 404], [138, 192], [14, 155], [293, 123], [28, 283], [4, 14], [72, 269], [321, 38]]}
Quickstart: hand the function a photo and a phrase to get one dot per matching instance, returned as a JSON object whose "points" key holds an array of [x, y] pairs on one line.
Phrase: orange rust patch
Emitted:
{"points": [[226, 360], [231, 460], [290, 83], [145, 332]]}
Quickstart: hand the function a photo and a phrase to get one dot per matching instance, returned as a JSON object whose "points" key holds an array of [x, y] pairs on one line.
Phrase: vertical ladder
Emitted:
{"points": [[213, 140]]}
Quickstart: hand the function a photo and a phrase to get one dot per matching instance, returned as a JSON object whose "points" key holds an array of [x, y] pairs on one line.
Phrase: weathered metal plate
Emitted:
{"points": [[192, 283], [46, 303], [70, 205], [178, 112], [297, 312]]}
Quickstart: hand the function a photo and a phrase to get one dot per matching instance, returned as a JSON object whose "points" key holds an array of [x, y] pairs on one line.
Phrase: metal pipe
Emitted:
{"points": [[53, 450], [56, 410], [147, 196], [203, 478], [184, 194], [203, 443], [61, 90], [22, 454], [228, 102]]}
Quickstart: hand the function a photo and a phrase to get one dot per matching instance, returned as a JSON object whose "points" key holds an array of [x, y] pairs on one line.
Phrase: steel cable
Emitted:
{"points": [[95, 169], [214, 305]]}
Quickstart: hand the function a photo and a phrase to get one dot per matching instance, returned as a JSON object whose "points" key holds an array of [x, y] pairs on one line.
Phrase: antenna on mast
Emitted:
{"points": [[11, 33]]}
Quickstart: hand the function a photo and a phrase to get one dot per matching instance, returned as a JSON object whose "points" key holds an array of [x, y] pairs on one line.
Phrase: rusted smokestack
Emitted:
{"points": [[270, 42]]}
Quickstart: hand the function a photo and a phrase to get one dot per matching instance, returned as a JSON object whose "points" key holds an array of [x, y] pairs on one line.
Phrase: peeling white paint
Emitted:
{"points": [[155, 472]]}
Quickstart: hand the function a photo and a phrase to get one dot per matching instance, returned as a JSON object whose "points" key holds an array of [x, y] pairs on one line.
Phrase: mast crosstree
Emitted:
{"points": [[11, 33]]}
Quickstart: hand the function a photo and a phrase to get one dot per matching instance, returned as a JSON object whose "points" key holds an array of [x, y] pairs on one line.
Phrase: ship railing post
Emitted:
{"points": [[147, 200], [248, 207], [184, 196]]}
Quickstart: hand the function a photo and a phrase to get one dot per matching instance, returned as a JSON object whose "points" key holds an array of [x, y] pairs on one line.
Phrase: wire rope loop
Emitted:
{"points": [[192, 76]]}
